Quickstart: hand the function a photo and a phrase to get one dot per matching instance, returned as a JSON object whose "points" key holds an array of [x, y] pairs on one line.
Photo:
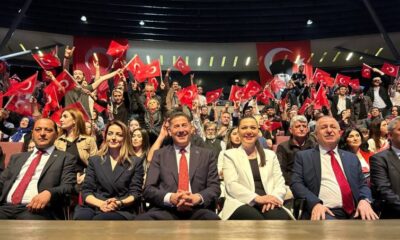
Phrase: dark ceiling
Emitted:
{"points": [[204, 21]]}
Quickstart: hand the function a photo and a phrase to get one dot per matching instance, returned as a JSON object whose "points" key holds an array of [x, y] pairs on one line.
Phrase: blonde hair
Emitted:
{"points": [[126, 150]]}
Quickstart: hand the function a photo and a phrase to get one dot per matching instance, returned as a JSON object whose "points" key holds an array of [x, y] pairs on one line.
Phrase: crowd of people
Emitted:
{"points": [[149, 157]]}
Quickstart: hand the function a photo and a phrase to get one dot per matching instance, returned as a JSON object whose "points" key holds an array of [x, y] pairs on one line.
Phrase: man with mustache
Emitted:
{"points": [[182, 181], [330, 180], [35, 183]]}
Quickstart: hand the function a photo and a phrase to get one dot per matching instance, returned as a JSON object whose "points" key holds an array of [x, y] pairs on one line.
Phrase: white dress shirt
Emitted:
{"points": [[32, 189], [329, 192], [378, 101], [341, 105]]}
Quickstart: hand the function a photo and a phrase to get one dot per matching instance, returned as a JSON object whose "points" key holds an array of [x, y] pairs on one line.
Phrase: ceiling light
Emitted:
{"points": [[235, 61], [336, 56], [199, 61], [187, 60], [83, 18], [141, 23], [173, 59], [323, 56], [248, 61], [223, 61], [148, 59], [378, 52], [211, 61], [361, 58], [349, 56], [161, 59], [309, 22]]}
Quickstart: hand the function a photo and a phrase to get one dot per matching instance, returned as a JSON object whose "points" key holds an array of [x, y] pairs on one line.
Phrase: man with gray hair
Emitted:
{"points": [[299, 140], [385, 174]]}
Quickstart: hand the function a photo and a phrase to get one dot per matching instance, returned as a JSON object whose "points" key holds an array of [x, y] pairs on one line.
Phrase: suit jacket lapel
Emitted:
{"points": [[245, 164], [105, 166], [119, 170], [18, 165], [54, 155], [172, 163], [194, 161], [316, 160], [394, 159]]}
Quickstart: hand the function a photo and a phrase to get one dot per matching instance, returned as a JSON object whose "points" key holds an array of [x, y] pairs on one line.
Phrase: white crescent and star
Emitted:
{"points": [[28, 87], [66, 85], [270, 55]]}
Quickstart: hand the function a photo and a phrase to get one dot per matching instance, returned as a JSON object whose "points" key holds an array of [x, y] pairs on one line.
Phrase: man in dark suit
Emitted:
{"points": [[35, 183], [340, 102], [182, 181], [330, 180], [385, 174]]}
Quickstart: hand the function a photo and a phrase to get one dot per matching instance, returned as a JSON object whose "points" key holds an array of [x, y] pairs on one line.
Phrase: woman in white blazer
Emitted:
{"points": [[254, 184]]}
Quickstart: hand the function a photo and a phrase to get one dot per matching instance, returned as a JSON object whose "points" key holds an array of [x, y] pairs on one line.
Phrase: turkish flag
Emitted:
{"points": [[277, 85], [21, 104], [279, 59], [135, 64], [148, 71], [153, 81], [328, 81], [321, 99], [53, 91], [265, 96], [25, 87], [181, 65], [236, 93], [85, 47], [342, 79], [47, 61], [102, 91], [251, 89], [366, 71], [313, 93], [212, 96], [53, 99], [390, 70], [354, 83], [320, 75], [57, 115], [187, 95], [98, 108], [1, 99], [117, 50], [271, 126], [304, 107]]}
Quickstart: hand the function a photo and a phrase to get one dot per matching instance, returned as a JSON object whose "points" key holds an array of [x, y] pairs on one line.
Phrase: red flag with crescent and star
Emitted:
{"points": [[149, 71], [21, 104], [279, 60], [56, 91], [354, 83], [135, 64], [116, 49], [341, 79], [187, 95], [236, 93], [304, 107], [251, 89], [25, 87], [181, 65], [390, 69], [366, 71], [47, 61], [85, 47], [212, 96], [320, 75], [265, 96]]}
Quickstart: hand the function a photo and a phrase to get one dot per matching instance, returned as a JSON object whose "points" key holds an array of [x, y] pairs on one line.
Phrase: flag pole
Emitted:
{"points": [[9, 101]]}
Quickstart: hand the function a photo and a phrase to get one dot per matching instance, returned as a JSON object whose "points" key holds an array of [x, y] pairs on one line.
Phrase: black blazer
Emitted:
{"points": [[58, 176], [104, 183], [385, 181], [162, 176], [335, 100]]}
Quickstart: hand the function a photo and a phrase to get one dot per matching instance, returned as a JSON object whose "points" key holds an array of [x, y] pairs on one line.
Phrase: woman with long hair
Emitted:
{"points": [[378, 135], [113, 180], [352, 141], [75, 140], [141, 145], [254, 184]]}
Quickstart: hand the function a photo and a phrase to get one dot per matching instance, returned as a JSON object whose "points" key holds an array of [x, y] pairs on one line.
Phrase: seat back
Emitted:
{"points": [[10, 148]]}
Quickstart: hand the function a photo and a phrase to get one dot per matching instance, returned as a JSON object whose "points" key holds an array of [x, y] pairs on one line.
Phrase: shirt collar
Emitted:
{"points": [[326, 150], [178, 149], [48, 150]]}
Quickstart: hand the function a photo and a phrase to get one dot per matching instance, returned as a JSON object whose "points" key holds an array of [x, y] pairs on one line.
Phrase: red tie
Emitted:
{"points": [[347, 196], [19, 192], [183, 183]]}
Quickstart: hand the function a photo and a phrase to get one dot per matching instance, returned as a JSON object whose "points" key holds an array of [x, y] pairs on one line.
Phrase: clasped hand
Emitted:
{"points": [[268, 202], [109, 205], [184, 201]]}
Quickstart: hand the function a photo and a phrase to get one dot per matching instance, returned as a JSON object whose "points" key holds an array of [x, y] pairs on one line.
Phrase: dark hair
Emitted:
{"points": [[54, 123], [259, 148], [145, 140], [343, 140], [229, 144], [375, 131], [178, 114]]}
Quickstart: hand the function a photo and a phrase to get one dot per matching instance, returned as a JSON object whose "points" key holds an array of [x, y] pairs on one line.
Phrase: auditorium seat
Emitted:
{"points": [[10, 148]]}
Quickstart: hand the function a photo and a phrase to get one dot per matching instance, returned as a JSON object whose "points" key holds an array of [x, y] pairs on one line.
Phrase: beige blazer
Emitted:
{"points": [[239, 181], [86, 146]]}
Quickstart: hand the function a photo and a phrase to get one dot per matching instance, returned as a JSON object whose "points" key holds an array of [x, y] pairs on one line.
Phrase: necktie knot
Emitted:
{"points": [[182, 151]]}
